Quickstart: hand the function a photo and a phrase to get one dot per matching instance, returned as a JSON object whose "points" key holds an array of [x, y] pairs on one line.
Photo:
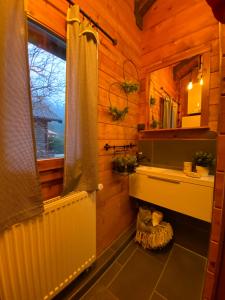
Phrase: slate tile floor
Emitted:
{"points": [[176, 273]]}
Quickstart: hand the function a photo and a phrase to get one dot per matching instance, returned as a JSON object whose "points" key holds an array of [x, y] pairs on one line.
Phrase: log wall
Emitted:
{"points": [[114, 209], [214, 284]]}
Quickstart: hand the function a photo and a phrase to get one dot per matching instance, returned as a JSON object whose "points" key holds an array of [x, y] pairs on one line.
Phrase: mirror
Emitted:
{"points": [[178, 94]]}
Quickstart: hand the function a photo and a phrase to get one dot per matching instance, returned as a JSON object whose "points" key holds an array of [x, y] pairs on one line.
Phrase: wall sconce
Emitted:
{"points": [[190, 85], [201, 81]]}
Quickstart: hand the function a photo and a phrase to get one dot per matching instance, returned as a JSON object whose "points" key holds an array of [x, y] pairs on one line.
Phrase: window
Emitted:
{"points": [[47, 66]]}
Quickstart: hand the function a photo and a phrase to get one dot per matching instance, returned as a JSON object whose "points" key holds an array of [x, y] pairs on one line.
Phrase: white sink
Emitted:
{"points": [[151, 169], [174, 190], [175, 174]]}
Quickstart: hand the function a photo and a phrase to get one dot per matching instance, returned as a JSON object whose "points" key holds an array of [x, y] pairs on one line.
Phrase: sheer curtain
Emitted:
{"points": [[80, 155], [20, 196]]}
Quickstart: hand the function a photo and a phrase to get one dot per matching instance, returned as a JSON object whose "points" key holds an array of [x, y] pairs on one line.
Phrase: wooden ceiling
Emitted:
{"points": [[140, 9]]}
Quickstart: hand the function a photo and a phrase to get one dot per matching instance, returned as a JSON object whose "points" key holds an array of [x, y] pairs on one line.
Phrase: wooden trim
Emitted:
{"points": [[140, 9], [218, 289], [205, 90], [205, 53], [50, 164], [178, 57], [51, 173], [200, 133]]}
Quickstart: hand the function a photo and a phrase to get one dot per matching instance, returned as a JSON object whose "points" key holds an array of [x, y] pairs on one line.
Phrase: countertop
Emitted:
{"points": [[175, 174]]}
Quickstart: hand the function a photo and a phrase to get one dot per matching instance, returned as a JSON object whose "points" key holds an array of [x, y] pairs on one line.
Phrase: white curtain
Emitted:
{"points": [[80, 167]]}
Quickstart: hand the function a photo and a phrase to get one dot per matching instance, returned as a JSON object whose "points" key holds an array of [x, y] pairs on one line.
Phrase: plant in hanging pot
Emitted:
{"points": [[154, 124], [203, 162], [130, 87], [117, 114], [152, 101], [119, 164], [131, 163], [124, 164]]}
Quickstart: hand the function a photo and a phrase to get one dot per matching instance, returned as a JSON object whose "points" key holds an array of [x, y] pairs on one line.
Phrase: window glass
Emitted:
{"points": [[47, 83]]}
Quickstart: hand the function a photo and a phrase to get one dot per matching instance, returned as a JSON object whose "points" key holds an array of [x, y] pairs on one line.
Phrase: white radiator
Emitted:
{"points": [[39, 257]]}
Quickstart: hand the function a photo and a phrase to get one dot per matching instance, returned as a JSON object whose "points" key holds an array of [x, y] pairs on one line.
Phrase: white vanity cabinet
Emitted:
{"points": [[174, 190]]}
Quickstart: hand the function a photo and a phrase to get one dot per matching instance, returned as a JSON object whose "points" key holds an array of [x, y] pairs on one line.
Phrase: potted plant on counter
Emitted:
{"points": [[203, 162]]}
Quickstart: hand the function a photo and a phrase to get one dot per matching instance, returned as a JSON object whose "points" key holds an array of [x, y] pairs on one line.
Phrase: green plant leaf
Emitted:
{"points": [[130, 87], [118, 114]]}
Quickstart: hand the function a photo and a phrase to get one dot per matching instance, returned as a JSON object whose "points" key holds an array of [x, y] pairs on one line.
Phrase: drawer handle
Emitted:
{"points": [[164, 179]]}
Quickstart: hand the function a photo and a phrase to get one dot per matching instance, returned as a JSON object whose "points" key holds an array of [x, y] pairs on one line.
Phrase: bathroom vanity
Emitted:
{"points": [[174, 190]]}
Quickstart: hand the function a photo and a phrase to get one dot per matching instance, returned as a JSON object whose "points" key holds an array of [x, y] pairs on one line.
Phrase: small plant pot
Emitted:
{"points": [[121, 169], [202, 171], [130, 168]]}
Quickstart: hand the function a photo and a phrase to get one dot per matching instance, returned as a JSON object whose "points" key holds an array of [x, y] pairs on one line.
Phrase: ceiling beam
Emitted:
{"points": [[140, 9]]}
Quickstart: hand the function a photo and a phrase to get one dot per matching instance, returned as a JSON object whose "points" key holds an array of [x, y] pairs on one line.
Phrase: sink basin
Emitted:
{"points": [[174, 174]]}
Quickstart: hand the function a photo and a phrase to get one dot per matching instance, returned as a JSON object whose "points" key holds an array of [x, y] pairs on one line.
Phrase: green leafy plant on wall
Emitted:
{"points": [[152, 101], [154, 124], [127, 87], [117, 114], [130, 87]]}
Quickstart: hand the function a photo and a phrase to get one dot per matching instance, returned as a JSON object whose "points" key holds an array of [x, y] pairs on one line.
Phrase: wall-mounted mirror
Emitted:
{"points": [[178, 94]]}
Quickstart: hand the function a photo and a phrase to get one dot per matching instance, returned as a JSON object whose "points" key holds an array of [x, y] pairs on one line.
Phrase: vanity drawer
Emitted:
{"points": [[187, 198]]}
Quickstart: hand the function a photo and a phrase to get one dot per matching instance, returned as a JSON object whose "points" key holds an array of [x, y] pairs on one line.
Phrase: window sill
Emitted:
{"points": [[51, 176]]}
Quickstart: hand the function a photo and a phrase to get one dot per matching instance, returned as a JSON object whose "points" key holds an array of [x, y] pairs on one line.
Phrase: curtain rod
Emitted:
{"points": [[114, 41], [172, 98]]}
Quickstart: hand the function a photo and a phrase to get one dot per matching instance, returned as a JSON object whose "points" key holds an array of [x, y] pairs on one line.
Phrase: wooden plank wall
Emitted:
{"points": [[214, 284], [114, 209], [177, 29]]}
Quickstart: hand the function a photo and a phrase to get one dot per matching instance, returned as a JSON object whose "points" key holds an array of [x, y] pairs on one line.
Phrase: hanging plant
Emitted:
{"points": [[154, 124], [152, 101], [124, 164], [130, 87], [117, 114]]}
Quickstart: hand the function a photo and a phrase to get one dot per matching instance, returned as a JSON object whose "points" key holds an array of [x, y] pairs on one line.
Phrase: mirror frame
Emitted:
{"points": [[205, 53]]}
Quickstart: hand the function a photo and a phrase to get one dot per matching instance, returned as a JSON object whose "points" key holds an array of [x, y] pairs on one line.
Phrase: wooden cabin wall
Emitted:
{"points": [[177, 29], [114, 209], [214, 285]]}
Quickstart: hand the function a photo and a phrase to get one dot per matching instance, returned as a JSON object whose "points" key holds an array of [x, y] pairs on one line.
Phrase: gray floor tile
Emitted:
{"points": [[127, 252], [104, 257], [192, 238], [138, 277], [161, 254], [156, 296], [183, 277], [124, 238], [110, 274], [99, 292]]}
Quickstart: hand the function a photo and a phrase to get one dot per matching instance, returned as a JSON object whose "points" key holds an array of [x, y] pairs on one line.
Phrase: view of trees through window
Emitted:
{"points": [[47, 83]]}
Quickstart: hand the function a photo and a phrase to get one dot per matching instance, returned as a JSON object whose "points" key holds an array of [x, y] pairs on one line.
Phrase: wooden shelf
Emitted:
{"points": [[200, 133]]}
